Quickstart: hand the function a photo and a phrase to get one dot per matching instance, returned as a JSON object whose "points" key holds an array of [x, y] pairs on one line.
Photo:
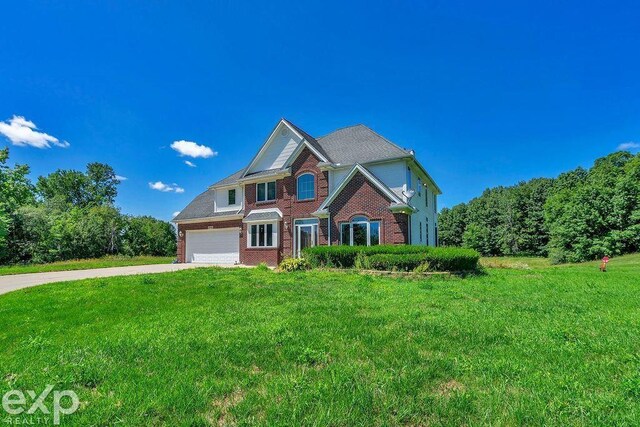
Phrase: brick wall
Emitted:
{"points": [[182, 229], [360, 197], [291, 209]]}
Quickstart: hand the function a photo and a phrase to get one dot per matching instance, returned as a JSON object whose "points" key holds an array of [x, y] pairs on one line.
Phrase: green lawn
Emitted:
{"points": [[84, 264], [547, 345]]}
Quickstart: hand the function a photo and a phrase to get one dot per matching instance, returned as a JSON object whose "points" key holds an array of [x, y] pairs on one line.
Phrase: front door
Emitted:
{"points": [[305, 237]]}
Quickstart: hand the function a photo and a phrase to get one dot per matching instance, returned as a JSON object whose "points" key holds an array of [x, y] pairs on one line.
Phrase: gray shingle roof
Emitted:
{"points": [[202, 207], [309, 138], [230, 179], [262, 216], [346, 146], [359, 144]]}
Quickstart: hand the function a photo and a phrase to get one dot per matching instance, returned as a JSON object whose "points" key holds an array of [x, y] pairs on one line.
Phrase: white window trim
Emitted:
{"points": [[266, 191], [275, 234], [313, 175], [368, 222], [315, 228]]}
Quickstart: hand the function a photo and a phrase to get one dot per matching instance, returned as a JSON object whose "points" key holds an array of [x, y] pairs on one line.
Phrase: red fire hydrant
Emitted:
{"points": [[603, 265]]}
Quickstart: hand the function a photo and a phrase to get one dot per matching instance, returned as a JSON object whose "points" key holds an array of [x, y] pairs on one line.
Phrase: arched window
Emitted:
{"points": [[360, 232], [306, 187]]}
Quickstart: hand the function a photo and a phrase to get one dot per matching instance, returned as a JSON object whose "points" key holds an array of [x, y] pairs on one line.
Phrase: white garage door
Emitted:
{"points": [[220, 246]]}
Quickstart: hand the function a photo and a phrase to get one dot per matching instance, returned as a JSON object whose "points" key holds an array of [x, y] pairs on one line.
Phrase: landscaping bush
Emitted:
{"points": [[294, 264], [345, 256], [395, 262], [452, 259], [438, 259]]}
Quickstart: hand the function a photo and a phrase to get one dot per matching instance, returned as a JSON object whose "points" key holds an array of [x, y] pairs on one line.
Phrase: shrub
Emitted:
{"points": [[439, 259], [294, 264], [452, 259], [345, 256], [423, 268], [361, 262], [263, 267], [395, 262]]}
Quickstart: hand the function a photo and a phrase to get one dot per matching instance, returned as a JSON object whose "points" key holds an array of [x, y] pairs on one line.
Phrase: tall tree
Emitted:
{"points": [[451, 225], [97, 187], [102, 184], [16, 190]]}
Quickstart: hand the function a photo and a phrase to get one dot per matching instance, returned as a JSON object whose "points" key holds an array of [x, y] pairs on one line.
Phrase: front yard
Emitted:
{"points": [[85, 264], [520, 345]]}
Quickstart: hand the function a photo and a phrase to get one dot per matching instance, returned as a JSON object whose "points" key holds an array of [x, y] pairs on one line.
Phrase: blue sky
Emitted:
{"points": [[486, 93]]}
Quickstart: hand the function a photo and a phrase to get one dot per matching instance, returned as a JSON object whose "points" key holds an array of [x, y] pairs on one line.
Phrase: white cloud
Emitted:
{"points": [[23, 132], [166, 188], [629, 146], [175, 214], [121, 178], [191, 149], [190, 164]]}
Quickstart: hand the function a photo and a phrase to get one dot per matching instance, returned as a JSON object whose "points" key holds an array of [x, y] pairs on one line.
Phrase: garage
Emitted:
{"points": [[220, 246]]}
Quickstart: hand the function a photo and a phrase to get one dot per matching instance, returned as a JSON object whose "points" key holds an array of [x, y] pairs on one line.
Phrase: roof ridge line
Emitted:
{"points": [[339, 129], [389, 141]]}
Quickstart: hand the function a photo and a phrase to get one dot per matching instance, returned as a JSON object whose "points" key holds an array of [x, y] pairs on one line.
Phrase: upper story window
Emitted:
{"points": [[265, 191], [306, 187], [419, 187], [232, 197]]}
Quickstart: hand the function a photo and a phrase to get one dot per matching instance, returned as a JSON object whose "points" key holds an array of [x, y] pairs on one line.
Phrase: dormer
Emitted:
{"points": [[228, 198]]}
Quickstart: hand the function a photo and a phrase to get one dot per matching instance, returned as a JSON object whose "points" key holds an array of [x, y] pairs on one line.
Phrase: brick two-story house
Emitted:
{"points": [[350, 187]]}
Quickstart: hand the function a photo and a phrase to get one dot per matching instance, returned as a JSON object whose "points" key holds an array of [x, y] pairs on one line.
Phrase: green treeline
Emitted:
{"points": [[578, 216], [69, 215]]}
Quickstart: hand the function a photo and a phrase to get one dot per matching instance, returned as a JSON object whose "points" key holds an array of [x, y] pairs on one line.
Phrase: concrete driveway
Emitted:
{"points": [[20, 281]]}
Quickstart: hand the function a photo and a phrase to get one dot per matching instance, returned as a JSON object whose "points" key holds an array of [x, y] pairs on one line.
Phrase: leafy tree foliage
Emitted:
{"points": [[15, 191], [580, 215], [98, 186], [147, 235], [454, 221], [70, 214]]}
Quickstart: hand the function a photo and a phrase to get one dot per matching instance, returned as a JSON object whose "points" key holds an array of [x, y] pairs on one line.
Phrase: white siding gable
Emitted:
{"points": [[277, 149], [392, 174]]}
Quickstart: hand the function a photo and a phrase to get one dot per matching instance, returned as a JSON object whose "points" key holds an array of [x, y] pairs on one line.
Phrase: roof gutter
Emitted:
{"points": [[277, 174], [208, 219]]}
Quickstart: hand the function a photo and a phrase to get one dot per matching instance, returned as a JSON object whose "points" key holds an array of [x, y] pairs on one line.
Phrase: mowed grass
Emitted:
{"points": [[84, 264], [549, 346]]}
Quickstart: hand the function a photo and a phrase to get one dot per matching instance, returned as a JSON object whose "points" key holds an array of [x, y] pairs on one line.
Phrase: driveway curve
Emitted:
{"points": [[20, 281]]}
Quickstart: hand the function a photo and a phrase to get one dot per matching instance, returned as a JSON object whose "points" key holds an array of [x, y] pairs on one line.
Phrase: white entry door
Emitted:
{"points": [[221, 246], [306, 232]]}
